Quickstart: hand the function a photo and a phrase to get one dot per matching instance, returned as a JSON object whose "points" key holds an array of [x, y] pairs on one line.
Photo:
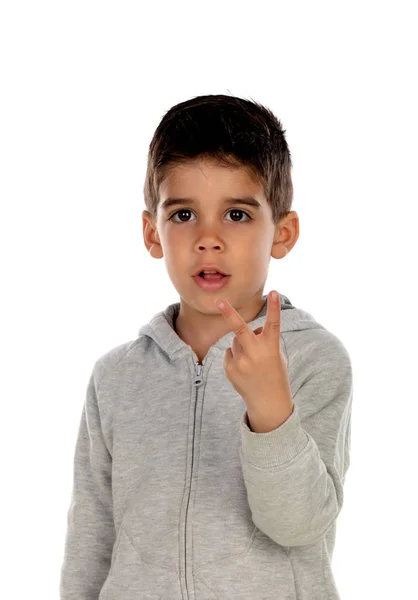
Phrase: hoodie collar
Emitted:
{"points": [[161, 328]]}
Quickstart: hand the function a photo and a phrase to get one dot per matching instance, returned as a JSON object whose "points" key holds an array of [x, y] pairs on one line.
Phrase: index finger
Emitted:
{"points": [[235, 321]]}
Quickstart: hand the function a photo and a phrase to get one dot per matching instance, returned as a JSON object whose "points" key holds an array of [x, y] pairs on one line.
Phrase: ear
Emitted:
{"points": [[150, 233]]}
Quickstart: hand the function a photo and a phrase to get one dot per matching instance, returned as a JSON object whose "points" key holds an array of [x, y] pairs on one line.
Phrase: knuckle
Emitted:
{"points": [[228, 367], [244, 365]]}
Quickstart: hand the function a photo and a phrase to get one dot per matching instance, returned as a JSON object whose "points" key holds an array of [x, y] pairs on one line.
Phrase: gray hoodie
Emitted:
{"points": [[175, 498]]}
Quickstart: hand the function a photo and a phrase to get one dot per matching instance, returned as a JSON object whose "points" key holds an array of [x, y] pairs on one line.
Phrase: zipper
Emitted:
{"points": [[197, 382]]}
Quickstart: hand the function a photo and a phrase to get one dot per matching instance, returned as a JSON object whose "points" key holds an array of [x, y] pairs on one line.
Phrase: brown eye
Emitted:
{"points": [[183, 210], [237, 210]]}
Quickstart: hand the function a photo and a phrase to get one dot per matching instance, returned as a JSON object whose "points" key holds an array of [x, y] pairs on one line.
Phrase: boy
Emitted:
{"points": [[213, 449]]}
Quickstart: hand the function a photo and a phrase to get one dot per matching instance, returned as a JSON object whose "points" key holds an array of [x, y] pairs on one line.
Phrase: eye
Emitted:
{"points": [[186, 210]]}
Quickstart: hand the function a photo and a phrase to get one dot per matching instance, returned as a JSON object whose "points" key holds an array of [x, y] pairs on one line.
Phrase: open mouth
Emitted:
{"points": [[211, 276], [211, 282]]}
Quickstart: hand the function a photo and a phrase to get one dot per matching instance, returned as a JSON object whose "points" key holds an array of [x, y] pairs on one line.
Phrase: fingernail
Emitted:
{"points": [[275, 296]]}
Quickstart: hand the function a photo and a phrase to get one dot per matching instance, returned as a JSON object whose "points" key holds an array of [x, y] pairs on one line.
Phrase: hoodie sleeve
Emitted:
{"points": [[294, 475], [90, 528]]}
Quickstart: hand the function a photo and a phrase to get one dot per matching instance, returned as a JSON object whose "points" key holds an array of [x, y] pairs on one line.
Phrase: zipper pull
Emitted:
{"points": [[198, 378]]}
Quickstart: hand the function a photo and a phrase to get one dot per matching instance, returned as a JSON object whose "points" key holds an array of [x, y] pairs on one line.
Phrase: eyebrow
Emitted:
{"points": [[175, 201]]}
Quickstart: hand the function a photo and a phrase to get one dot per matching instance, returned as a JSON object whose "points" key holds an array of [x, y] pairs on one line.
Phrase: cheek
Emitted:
{"points": [[178, 254], [255, 253], [173, 241]]}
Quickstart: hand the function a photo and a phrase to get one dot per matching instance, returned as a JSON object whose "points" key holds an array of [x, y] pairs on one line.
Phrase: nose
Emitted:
{"points": [[209, 240], [216, 247]]}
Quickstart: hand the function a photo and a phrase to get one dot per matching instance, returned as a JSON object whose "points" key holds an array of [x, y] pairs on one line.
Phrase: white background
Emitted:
{"points": [[83, 87]]}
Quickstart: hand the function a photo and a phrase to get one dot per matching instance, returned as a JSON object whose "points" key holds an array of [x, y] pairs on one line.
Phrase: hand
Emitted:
{"points": [[255, 364]]}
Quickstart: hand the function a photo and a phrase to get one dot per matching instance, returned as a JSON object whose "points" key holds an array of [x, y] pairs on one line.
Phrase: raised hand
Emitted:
{"points": [[256, 365]]}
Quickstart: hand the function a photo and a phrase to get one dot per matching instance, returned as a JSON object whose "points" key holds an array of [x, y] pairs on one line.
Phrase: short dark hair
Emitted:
{"points": [[233, 132]]}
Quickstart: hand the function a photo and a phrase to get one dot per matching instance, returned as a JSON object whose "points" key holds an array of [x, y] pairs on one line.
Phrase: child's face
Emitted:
{"points": [[211, 231]]}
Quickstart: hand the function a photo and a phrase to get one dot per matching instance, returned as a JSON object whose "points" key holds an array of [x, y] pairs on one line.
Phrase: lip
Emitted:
{"points": [[210, 268], [211, 286]]}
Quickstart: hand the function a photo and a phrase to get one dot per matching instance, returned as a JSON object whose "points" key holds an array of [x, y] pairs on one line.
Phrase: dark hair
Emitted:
{"points": [[231, 131]]}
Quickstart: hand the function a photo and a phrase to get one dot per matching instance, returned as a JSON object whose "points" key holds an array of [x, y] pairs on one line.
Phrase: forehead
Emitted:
{"points": [[200, 181]]}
